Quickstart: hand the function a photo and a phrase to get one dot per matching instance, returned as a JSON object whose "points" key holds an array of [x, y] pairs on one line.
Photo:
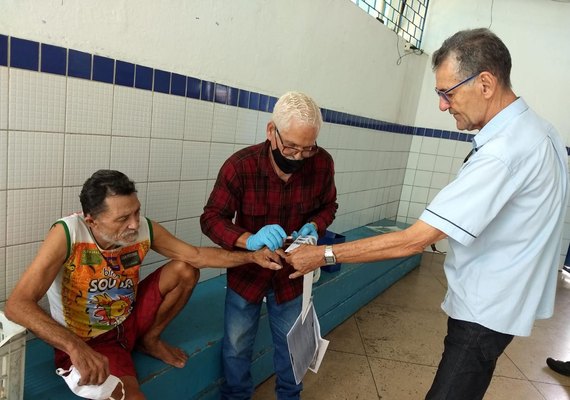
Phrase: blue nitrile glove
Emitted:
{"points": [[306, 230], [271, 236]]}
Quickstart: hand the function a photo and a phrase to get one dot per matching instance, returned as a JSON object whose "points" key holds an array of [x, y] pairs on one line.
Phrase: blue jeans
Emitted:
{"points": [[240, 327], [469, 358]]}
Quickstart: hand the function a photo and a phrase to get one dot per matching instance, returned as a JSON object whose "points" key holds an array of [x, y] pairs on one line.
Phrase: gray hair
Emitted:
{"points": [[475, 51], [297, 106]]}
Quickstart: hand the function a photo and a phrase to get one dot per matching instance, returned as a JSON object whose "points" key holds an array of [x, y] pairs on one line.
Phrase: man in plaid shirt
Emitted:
{"points": [[284, 186]]}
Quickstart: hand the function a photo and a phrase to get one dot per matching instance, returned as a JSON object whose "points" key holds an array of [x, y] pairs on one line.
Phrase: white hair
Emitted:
{"points": [[297, 106]]}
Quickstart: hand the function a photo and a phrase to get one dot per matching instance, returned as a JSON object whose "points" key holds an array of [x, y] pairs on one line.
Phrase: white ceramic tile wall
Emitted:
{"points": [[70, 200], [199, 120], [189, 230], [224, 123], [246, 126], [195, 160], [165, 160], [152, 256], [262, 119], [168, 115], [2, 273], [2, 219], [3, 98], [131, 112], [36, 101], [85, 154], [192, 199], [89, 107], [17, 260], [3, 159], [35, 159], [219, 152], [162, 201], [130, 155], [30, 213]]}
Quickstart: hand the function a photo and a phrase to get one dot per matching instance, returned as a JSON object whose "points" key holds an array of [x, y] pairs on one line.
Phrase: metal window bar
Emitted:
{"points": [[405, 17]]}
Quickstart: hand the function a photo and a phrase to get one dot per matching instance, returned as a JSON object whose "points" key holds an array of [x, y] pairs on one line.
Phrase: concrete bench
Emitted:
{"points": [[198, 329]]}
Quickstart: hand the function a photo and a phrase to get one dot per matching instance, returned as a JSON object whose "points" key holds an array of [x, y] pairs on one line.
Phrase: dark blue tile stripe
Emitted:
{"points": [[26, 54], [4, 50], [54, 59], [79, 64], [103, 69]]}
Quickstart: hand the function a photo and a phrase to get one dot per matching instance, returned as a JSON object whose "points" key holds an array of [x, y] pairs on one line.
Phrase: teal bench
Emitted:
{"points": [[198, 329]]}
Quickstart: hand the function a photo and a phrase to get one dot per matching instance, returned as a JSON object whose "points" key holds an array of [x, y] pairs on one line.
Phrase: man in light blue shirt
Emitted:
{"points": [[503, 216]]}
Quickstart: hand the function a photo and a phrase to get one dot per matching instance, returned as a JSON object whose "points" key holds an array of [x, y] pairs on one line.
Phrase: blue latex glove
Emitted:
{"points": [[271, 236], [306, 230]]}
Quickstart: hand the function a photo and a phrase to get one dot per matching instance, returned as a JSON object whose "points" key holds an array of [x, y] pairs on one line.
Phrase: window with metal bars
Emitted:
{"points": [[405, 17]]}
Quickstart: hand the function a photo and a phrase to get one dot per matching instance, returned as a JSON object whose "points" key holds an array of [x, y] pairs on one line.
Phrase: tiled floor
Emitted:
{"points": [[391, 347]]}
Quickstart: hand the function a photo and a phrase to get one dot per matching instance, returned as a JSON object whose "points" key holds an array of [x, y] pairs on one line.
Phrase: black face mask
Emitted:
{"points": [[285, 164]]}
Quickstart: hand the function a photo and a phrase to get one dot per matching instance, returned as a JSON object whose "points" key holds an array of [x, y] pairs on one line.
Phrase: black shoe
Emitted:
{"points": [[562, 367]]}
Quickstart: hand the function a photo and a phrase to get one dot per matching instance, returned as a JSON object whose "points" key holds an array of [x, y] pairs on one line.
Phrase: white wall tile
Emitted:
{"points": [[443, 164], [419, 194], [224, 123], [426, 162], [130, 155], [89, 107], [132, 111], [429, 145], [152, 256], [3, 98], [162, 201], [37, 101], [2, 218], [17, 260], [2, 274], [219, 153], [34, 159], [3, 159], [168, 115], [462, 149], [262, 119], [31, 212], [165, 160], [199, 120], [246, 126], [423, 178], [447, 147], [85, 154], [70, 201], [192, 199], [188, 229], [195, 160], [439, 180]]}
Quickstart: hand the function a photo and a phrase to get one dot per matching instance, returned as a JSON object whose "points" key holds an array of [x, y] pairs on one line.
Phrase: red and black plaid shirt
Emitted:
{"points": [[249, 188]]}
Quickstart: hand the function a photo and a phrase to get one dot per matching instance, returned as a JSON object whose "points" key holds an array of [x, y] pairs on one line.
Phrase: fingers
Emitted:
{"points": [[296, 275]]}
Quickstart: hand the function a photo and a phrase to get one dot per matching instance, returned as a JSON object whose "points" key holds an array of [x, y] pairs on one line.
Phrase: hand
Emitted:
{"points": [[308, 229], [267, 259], [91, 365], [270, 235], [304, 259]]}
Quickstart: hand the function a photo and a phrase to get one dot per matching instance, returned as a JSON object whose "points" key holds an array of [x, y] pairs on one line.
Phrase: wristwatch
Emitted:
{"points": [[330, 258]]}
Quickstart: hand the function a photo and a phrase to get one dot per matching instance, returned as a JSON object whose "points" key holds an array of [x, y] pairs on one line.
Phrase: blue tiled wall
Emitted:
{"points": [[30, 55]]}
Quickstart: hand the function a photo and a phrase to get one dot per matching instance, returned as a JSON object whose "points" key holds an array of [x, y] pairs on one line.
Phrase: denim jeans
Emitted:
{"points": [[469, 358], [240, 327]]}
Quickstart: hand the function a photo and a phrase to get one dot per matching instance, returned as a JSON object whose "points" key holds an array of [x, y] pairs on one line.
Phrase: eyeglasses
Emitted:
{"points": [[443, 93], [290, 151]]}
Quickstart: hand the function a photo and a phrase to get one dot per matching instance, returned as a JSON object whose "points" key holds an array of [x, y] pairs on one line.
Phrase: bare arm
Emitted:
{"points": [[412, 240], [200, 257], [22, 307]]}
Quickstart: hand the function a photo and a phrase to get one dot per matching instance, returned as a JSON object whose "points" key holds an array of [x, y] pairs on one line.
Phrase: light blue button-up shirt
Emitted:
{"points": [[503, 215]]}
